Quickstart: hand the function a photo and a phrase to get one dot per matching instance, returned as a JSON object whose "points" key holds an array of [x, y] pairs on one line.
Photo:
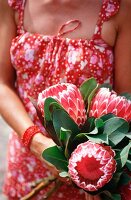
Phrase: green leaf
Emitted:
{"points": [[99, 123], [80, 137], [91, 121], [122, 156], [90, 97], [61, 119], [51, 131], [47, 108], [49, 105], [55, 156], [113, 184], [125, 179], [65, 138], [63, 174], [93, 132], [107, 117], [99, 138], [116, 128], [64, 134], [106, 195], [116, 196], [128, 135], [87, 87], [88, 126]]}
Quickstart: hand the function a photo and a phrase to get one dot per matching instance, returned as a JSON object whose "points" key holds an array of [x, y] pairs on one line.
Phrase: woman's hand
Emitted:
{"points": [[38, 145]]}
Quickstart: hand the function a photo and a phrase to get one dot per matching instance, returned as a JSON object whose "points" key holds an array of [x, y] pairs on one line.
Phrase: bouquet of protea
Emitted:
{"points": [[91, 129]]}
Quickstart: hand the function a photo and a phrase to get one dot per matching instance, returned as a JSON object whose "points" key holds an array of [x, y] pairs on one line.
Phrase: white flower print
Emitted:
{"points": [[21, 178], [29, 55], [39, 79], [94, 59], [27, 46], [96, 29], [74, 56], [83, 64]]}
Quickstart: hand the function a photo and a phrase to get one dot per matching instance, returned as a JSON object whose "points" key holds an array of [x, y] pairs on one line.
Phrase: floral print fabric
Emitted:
{"points": [[41, 61]]}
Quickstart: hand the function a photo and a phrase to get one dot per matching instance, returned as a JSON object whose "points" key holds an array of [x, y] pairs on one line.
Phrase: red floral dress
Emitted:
{"points": [[41, 61]]}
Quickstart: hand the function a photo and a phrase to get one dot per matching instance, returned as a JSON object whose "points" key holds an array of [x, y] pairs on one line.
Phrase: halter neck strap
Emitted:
{"points": [[75, 22]]}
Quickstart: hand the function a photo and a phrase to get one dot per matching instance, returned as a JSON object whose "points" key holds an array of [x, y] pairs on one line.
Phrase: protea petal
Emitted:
{"points": [[69, 96], [106, 102], [91, 165]]}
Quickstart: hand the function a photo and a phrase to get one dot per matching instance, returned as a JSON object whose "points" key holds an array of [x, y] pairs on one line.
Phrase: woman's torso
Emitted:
{"points": [[42, 60]]}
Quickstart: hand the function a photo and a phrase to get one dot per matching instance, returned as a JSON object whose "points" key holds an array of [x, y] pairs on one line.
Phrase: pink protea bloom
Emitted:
{"points": [[91, 165], [109, 102], [69, 96]]}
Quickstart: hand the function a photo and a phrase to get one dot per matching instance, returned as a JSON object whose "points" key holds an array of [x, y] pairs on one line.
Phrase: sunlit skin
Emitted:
{"points": [[39, 16]]}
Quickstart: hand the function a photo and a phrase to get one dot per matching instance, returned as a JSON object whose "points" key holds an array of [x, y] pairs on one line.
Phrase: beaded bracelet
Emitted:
{"points": [[28, 135]]}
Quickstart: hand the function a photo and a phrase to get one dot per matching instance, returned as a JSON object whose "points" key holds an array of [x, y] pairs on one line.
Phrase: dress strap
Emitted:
{"points": [[109, 9], [75, 22], [15, 4], [18, 5]]}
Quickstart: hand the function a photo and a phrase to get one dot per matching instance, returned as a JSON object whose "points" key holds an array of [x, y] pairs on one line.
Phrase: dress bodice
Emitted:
{"points": [[41, 61]]}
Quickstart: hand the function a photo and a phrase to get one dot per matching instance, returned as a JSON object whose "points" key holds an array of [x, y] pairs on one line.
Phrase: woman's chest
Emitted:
{"points": [[47, 19], [50, 60]]}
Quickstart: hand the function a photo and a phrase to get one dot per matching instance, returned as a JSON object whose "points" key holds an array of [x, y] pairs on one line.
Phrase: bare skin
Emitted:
{"points": [[39, 16]]}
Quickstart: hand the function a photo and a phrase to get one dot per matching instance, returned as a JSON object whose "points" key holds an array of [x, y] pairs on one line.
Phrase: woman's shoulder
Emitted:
{"points": [[4, 8]]}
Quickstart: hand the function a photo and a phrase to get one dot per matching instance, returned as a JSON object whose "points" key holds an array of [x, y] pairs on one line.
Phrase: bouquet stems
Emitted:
{"points": [[43, 184], [91, 197]]}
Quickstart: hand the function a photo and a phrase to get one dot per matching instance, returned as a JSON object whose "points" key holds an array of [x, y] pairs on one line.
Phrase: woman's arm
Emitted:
{"points": [[11, 107], [123, 49]]}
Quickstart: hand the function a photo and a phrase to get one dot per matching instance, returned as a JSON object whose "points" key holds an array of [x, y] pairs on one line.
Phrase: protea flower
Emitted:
{"points": [[69, 96], [109, 102], [125, 192], [91, 165]]}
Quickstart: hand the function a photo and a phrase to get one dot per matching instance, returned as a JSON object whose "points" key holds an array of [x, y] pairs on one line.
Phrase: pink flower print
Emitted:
{"points": [[29, 55], [31, 108], [110, 56], [100, 64], [12, 192], [110, 8], [21, 178], [39, 79], [93, 59]]}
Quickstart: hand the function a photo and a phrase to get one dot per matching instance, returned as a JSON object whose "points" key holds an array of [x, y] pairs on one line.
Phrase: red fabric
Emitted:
{"points": [[41, 61]]}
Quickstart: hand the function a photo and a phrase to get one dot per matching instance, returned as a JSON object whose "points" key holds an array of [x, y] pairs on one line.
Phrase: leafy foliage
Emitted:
{"points": [[108, 129]]}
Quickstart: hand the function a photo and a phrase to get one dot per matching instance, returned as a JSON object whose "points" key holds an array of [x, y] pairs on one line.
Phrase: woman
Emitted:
{"points": [[42, 54]]}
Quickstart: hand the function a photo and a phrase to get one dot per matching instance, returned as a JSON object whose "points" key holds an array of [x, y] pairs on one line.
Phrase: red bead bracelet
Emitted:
{"points": [[28, 135]]}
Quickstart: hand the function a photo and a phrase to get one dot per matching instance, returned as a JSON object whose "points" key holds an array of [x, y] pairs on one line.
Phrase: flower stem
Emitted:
{"points": [[53, 189], [44, 183]]}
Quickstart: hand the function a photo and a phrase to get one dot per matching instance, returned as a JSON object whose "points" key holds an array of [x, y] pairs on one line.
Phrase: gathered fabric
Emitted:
{"points": [[41, 61]]}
